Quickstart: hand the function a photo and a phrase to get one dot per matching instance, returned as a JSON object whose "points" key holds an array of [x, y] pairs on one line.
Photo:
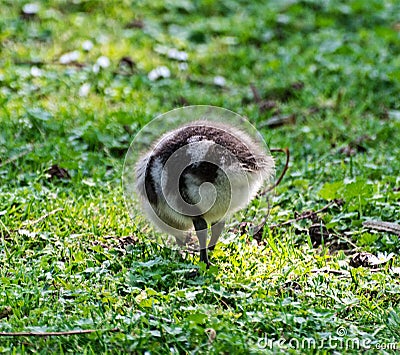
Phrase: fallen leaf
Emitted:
{"points": [[180, 101], [293, 286], [299, 85], [127, 63], [277, 121], [318, 232], [266, 105], [136, 23], [211, 333], [284, 94], [365, 259], [5, 312], [263, 105], [57, 172], [128, 129], [128, 240], [355, 146]]}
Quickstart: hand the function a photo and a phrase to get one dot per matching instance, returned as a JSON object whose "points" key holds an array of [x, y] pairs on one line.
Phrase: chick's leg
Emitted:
{"points": [[216, 230], [200, 225]]}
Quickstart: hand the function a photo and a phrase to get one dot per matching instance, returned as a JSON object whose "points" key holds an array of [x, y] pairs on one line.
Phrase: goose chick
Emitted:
{"points": [[197, 175]]}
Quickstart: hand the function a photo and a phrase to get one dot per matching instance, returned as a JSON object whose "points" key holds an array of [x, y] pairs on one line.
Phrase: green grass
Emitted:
{"points": [[64, 262]]}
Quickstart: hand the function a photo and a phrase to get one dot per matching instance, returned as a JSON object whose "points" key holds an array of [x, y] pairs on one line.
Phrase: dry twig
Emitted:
{"points": [[42, 217], [48, 334], [277, 182], [16, 157], [304, 215], [389, 227]]}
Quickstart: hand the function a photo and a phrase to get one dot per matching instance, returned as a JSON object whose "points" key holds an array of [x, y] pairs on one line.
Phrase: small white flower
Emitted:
{"points": [[36, 72], [177, 55], [84, 90], [103, 39], [87, 45], [69, 57], [159, 72], [30, 9], [26, 233], [219, 80], [103, 62], [183, 66], [89, 182]]}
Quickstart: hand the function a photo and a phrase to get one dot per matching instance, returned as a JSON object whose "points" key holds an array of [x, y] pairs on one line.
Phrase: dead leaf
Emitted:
{"points": [[57, 172], [6, 312], [127, 64], [180, 101], [263, 105], [347, 150], [284, 94], [266, 105], [136, 23], [211, 333], [279, 120], [369, 260], [128, 129], [311, 215], [293, 286], [318, 232], [298, 85], [128, 240], [355, 146]]}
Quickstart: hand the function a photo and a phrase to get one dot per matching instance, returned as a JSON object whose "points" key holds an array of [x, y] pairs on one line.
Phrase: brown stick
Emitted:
{"points": [[388, 227], [49, 334], [42, 63], [277, 182], [256, 94], [304, 215], [16, 157], [42, 217]]}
